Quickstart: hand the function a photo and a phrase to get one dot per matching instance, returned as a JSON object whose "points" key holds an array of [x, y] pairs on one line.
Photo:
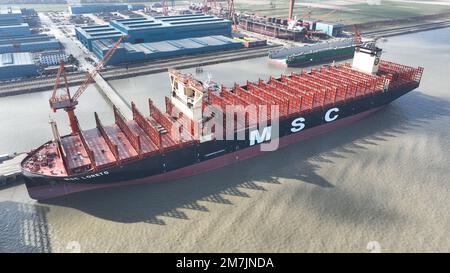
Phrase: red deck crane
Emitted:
{"points": [[165, 7], [65, 100], [232, 15], [291, 10]]}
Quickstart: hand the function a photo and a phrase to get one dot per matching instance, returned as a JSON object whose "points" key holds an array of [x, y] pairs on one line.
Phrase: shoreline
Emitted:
{"points": [[33, 85], [132, 70]]}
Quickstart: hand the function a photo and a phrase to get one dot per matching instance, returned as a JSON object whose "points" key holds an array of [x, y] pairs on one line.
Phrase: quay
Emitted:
{"points": [[125, 71], [10, 169]]}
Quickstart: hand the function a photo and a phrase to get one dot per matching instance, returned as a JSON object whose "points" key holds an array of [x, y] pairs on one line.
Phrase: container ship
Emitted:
{"points": [[314, 54], [182, 141]]}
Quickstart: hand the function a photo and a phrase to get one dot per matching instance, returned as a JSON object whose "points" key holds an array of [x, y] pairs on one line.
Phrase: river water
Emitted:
{"points": [[382, 183]]}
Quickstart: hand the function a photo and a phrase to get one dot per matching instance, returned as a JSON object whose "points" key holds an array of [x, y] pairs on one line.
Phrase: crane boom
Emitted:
{"points": [[68, 102], [97, 69], [291, 10]]}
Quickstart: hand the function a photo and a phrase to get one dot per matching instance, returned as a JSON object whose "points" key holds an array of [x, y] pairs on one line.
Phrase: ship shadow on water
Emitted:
{"points": [[24, 228], [299, 162]]}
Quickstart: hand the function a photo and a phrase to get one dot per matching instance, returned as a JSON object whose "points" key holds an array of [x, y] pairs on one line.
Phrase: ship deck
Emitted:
{"points": [[126, 140], [126, 150], [97, 144], [147, 145], [76, 154], [45, 161]]}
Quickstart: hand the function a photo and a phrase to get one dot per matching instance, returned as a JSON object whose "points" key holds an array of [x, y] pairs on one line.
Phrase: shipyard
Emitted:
{"points": [[216, 118]]}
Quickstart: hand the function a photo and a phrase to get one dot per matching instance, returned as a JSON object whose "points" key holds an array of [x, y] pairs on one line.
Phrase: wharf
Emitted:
{"points": [[125, 71], [10, 169]]}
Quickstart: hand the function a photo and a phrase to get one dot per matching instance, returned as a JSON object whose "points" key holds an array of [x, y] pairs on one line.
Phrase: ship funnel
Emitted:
{"points": [[367, 58]]}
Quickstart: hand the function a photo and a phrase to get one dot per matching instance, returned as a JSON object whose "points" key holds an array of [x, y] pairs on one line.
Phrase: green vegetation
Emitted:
{"points": [[347, 14]]}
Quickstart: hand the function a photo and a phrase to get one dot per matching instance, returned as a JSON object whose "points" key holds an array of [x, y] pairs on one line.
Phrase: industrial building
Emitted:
{"points": [[22, 29], [148, 38], [17, 65], [273, 27], [331, 29], [127, 52], [98, 8], [31, 43], [16, 36], [161, 28], [49, 58], [10, 16]]}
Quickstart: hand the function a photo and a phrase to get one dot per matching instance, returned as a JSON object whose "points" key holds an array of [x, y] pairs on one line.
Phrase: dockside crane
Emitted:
{"points": [[232, 15], [165, 7], [69, 102], [291, 10]]}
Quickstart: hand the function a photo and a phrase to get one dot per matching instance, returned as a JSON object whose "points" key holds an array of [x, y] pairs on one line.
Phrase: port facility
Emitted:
{"points": [[149, 38]]}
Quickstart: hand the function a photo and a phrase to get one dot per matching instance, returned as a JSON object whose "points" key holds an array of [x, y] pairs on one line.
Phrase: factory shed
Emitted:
{"points": [[127, 52], [32, 43], [97, 8], [10, 16], [16, 36], [160, 28], [136, 6], [98, 32], [331, 29], [17, 65], [15, 30]]}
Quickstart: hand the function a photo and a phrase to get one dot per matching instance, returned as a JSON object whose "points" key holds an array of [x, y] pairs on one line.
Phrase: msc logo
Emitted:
{"points": [[256, 137], [297, 125], [331, 115]]}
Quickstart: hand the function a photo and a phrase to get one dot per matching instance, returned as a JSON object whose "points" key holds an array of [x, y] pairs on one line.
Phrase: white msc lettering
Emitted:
{"points": [[87, 176], [256, 138], [328, 117], [297, 125]]}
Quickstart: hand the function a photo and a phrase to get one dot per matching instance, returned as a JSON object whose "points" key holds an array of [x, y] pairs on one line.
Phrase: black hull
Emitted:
{"points": [[321, 61], [205, 156]]}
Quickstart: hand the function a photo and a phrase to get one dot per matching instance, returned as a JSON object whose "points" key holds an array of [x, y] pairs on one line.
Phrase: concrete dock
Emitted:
{"points": [[46, 83], [10, 169]]}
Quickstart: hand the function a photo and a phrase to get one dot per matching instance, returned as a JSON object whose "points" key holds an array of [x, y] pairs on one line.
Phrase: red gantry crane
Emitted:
{"points": [[68, 102], [165, 7], [232, 15], [291, 10]]}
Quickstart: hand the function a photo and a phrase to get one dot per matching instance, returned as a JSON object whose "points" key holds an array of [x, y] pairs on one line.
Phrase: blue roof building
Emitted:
{"points": [[17, 65], [31, 43], [10, 16], [15, 35], [97, 8], [149, 29], [15, 30], [130, 53], [331, 29]]}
